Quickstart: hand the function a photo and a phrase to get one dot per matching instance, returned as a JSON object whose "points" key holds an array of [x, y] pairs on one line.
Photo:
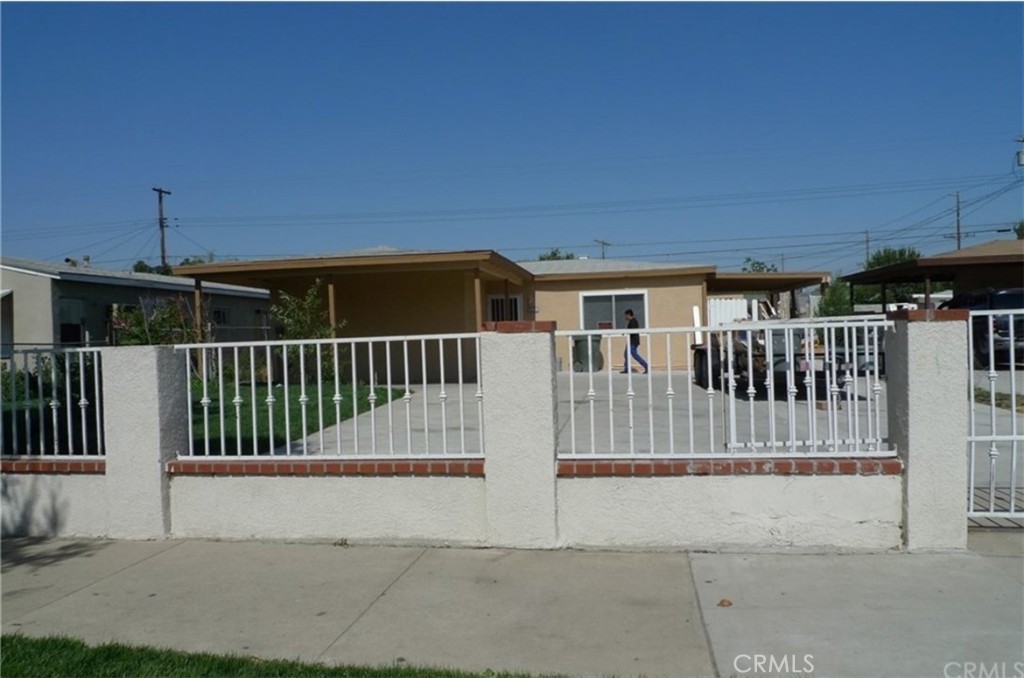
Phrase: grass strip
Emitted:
{"points": [[1002, 400], [23, 657]]}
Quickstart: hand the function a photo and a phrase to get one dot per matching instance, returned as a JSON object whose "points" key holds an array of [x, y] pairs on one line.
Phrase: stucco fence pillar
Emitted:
{"points": [[146, 402], [927, 370], [520, 424]]}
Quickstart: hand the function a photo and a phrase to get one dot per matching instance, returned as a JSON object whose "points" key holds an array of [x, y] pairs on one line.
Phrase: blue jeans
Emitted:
{"points": [[635, 351]]}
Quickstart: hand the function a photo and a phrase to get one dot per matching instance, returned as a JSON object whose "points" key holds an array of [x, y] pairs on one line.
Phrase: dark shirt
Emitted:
{"points": [[634, 339]]}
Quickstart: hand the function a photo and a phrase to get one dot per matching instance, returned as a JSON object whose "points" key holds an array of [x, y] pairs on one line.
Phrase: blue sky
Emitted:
{"points": [[686, 132]]}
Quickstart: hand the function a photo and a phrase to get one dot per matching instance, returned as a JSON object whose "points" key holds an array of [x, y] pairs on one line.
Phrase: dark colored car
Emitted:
{"points": [[1009, 299]]}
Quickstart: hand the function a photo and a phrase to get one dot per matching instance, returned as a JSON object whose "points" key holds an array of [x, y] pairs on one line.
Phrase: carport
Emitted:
{"points": [[386, 292], [999, 263]]}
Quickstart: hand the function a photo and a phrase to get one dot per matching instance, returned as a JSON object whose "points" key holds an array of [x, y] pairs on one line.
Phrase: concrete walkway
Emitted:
{"points": [[570, 612]]}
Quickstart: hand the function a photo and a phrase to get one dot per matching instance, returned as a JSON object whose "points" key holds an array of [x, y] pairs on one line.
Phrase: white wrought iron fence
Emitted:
{"points": [[811, 387], [51, 401], [996, 439], [342, 398]]}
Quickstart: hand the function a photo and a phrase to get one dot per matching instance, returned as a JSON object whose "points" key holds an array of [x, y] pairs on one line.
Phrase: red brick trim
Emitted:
{"points": [[619, 468], [520, 326], [62, 466], [930, 315], [225, 466]]}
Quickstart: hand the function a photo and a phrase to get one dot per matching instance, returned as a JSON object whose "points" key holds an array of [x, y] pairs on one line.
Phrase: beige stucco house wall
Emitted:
{"points": [[668, 293]]}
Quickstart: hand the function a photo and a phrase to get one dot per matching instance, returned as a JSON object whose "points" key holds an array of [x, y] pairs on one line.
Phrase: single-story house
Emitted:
{"points": [[45, 304], [998, 263], [387, 292]]}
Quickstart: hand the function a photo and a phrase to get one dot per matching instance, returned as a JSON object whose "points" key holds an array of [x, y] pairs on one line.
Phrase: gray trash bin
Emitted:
{"points": [[583, 348]]}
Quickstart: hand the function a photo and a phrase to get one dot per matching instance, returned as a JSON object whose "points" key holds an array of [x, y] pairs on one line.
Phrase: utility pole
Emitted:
{"points": [[958, 219], [867, 247], [160, 193], [603, 244]]}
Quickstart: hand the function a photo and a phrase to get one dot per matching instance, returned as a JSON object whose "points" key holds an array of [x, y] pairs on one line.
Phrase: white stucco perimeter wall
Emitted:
{"points": [[428, 510], [732, 512], [57, 505]]}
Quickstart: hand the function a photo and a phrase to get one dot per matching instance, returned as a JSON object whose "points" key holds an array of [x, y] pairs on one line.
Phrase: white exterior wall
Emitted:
{"points": [[521, 503], [52, 505], [386, 510], [732, 512]]}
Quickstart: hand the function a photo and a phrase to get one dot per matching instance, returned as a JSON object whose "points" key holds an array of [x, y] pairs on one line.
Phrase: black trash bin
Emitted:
{"points": [[586, 354]]}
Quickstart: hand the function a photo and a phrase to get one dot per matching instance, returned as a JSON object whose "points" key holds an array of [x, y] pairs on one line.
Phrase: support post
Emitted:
{"points": [[927, 370], [198, 297], [520, 427], [478, 301], [332, 312], [151, 428]]}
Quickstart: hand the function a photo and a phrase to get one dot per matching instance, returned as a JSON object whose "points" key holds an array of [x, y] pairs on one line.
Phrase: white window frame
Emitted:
{"points": [[612, 293], [517, 297]]}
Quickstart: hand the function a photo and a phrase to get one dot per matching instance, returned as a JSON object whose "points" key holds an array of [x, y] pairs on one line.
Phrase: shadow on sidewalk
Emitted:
{"points": [[41, 552]]}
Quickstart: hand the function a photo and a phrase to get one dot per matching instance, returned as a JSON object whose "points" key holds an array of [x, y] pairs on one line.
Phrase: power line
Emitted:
{"points": [[583, 208]]}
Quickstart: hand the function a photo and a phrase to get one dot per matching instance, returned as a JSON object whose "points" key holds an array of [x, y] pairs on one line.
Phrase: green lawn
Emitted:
{"points": [[65, 657], [235, 427]]}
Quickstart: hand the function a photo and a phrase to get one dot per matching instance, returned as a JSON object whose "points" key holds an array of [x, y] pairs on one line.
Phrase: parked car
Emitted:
{"points": [[1009, 299]]}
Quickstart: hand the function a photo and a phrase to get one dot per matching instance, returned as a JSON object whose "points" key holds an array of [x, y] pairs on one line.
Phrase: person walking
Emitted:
{"points": [[633, 347]]}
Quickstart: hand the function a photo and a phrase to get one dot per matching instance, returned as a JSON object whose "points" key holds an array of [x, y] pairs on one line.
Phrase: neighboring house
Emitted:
{"points": [[593, 294], [46, 304], [390, 292], [387, 292], [998, 263], [589, 294]]}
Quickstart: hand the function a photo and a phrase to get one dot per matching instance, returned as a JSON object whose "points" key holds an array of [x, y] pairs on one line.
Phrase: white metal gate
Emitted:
{"points": [[995, 447]]}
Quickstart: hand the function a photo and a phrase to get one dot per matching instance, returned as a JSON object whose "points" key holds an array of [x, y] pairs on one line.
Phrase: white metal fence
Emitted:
{"points": [[350, 398], [770, 388], [51, 402], [996, 440]]}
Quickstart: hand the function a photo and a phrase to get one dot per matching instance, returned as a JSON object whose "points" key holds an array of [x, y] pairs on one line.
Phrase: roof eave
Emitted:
{"points": [[637, 273]]}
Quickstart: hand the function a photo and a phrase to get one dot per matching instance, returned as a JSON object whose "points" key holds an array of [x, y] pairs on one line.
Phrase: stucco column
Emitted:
{"points": [[145, 387], [927, 372], [517, 361]]}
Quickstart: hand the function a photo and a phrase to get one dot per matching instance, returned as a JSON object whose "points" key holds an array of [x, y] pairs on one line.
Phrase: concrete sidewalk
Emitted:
{"points": [[571, 612]]}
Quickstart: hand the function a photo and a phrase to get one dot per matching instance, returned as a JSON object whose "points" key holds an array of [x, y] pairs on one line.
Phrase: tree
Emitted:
{"points": [[835, 301], [555, 255], [307, 317], [1018, 230], [156, 321], [141, 266], [188, 261], [887, 256], [751, 265]]}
